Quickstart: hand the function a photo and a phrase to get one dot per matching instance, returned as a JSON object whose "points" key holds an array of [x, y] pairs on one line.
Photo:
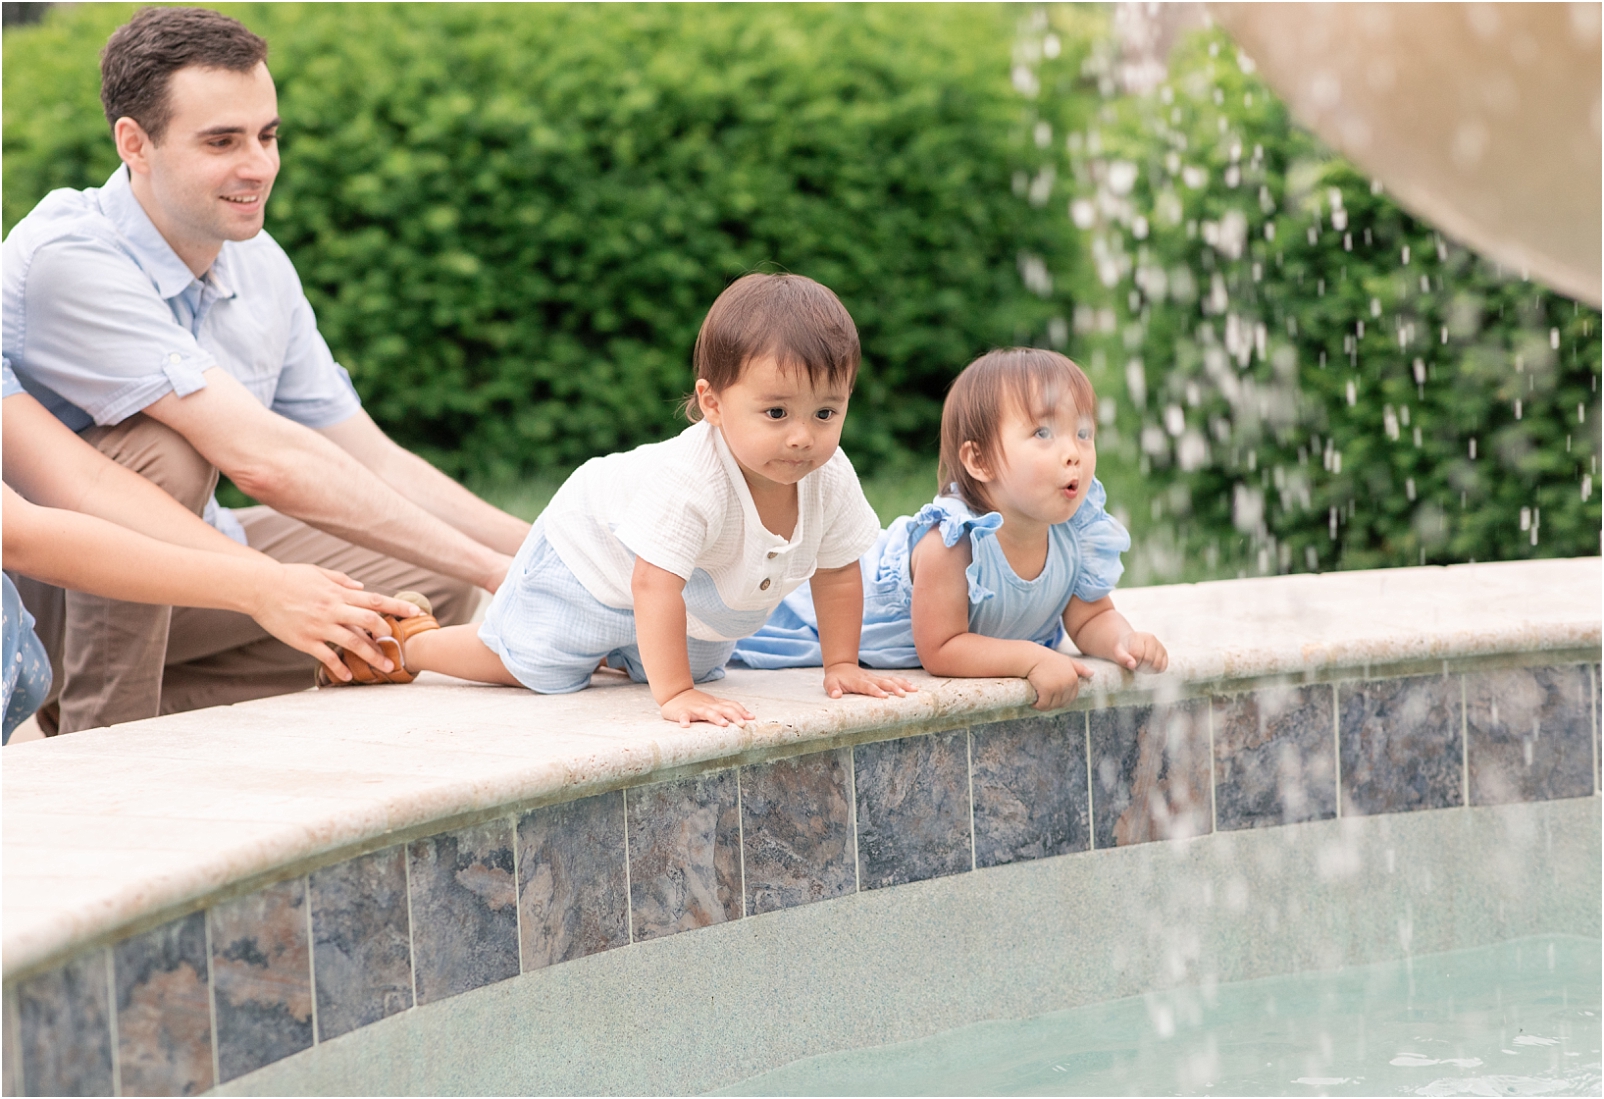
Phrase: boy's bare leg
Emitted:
{"points": [[457, 651]]}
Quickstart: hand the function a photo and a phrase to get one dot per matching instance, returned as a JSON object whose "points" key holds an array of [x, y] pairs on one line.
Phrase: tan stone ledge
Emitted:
{"points": [[113, 830]]}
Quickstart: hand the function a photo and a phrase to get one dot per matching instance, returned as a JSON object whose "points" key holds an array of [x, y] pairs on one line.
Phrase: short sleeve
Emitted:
{"points": [[98, 335], [1100, 539], [673, 520], [952, 518], [851, 527], [12, 386], [312, 389]]}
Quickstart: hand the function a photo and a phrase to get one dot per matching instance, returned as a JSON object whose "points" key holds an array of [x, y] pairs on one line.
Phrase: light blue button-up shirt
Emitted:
{"points": [[101, 317]]}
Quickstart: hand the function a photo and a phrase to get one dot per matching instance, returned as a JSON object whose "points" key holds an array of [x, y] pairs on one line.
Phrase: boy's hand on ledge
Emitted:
{"points": [[695, 705], [845, 678], [1136, 651], [1056, 678]]}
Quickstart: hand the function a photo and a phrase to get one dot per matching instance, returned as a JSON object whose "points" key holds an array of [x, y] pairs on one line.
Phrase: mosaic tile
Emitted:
{"points": [[1150, 770], [261, 978], [64, 1027], [1531, 734], [1400, 744], [361, 942], [913, 809], [164, 1015], [1275, 757], [684, 854], [10, 1044], [796, 816], [1031, 799], [464, 910], [573, 897]]}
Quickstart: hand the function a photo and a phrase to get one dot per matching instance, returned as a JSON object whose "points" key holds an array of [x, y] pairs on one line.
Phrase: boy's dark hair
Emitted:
{"points": [[798, 321], [1026, 380], [141, 56]]}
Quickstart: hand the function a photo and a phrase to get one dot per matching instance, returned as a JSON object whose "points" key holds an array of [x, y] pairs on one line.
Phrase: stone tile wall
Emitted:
{"points": [[213, 995]]}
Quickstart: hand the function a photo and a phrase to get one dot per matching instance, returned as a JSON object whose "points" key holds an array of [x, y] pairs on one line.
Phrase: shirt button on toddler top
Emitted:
{"points": [[773, 554], [764, 586]]}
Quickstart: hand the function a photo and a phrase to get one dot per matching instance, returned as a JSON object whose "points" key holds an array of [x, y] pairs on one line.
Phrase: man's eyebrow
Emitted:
{"points": [[224, 131]]}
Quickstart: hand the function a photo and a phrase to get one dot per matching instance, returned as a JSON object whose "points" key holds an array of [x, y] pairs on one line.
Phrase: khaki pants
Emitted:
{"points": [[116, 662]]}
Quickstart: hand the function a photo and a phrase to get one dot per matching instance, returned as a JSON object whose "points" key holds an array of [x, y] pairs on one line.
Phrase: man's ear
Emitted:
{"points": [[707, 400], [969, 455], [133, 144]]}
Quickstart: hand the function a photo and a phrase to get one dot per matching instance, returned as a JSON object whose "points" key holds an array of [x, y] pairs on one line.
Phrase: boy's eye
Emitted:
{"points": [[1085, 434], [826, 414], [774, 413], [1043, 432]]}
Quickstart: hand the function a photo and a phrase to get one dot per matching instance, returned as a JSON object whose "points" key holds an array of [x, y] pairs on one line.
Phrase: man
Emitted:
{"points": [[154, 316]]}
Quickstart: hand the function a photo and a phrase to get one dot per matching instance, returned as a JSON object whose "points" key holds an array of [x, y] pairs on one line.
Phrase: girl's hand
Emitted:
{"points": [[1141, 650], [1057, 680], [848, 678], [695, 705], [310, 608]]}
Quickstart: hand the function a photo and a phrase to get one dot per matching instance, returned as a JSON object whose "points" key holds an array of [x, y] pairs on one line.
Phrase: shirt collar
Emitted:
{"points": [[171, 275]]}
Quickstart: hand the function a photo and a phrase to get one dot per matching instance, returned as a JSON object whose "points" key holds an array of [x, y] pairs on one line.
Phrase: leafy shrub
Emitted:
{"points": [[1305, 376], [511, 218]]}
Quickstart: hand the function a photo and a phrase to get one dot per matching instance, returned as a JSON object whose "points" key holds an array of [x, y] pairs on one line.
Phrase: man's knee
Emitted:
{"points": [[160, 455], [456, 601]]}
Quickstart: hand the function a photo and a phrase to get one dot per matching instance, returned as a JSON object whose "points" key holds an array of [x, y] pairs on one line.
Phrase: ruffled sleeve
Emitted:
{"points": [[954, 519], [1099, 539]]}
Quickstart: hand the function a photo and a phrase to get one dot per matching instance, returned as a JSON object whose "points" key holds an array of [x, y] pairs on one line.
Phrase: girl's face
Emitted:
{"points": [[779, 426], [1045, 465]]}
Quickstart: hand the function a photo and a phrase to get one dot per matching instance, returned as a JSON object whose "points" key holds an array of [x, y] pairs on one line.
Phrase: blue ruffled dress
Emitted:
{"points": [[1082, 561]]}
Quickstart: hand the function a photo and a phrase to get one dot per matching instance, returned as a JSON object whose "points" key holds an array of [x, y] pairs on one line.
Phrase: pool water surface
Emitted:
{"points": [[1518, 1018]]}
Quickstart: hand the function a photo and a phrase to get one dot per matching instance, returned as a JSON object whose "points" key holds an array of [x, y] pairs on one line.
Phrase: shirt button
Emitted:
{"points": [[763, 586], [175, 357], [773, 554]]}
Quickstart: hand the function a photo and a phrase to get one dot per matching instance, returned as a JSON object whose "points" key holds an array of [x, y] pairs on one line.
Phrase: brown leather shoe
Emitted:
{"points": [[394, 647]]}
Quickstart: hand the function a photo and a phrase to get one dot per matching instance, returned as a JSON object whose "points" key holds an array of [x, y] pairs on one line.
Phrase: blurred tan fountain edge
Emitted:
{"points": [[1482, 119]]}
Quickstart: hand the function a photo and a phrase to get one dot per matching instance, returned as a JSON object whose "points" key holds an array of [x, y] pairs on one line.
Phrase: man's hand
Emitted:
{"points": [[850, 678], [695, 705], [310, 608], [1056, 678], [1135, 651]]}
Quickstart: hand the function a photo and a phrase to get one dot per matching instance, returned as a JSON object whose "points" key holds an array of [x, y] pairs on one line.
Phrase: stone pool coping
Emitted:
{"points": [[109, 831]]}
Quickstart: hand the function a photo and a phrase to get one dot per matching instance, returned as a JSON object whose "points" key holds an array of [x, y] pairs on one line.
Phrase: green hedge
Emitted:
{"points": [[511, 218], [1302, 389]]}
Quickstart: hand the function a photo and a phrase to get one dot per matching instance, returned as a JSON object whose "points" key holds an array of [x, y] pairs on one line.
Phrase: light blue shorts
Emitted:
{"points": [[550, 632]]}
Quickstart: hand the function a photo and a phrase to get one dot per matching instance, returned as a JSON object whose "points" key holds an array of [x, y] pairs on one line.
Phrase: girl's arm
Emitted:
{"points": [[304, 606], [660, 633], [838, 600], [946, 647], [1097, 629]]}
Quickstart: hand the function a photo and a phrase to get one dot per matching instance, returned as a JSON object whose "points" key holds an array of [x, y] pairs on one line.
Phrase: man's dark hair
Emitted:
{"points": [[801, 323], [141, 56]]}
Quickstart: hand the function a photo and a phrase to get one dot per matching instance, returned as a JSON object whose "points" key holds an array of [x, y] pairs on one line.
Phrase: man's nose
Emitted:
{"points": [[260, 165]]}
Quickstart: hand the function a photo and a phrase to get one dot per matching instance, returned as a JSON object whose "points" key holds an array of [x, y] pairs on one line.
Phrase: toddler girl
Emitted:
{"points": [[656, 560], [1016, 552]]}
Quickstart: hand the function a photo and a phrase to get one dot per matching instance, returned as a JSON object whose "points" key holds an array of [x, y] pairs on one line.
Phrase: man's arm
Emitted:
{"points": [[426, 486], [297, 471], [52, 467]]}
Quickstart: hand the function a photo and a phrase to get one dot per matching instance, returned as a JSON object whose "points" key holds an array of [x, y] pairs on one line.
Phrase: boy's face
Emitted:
{"points": [[776, 422]]}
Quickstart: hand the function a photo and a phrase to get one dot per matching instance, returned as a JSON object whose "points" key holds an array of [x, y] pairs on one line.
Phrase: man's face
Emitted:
{"points": [[214, 168]]}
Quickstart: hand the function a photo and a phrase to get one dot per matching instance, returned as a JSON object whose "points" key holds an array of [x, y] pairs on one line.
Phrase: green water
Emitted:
{"points": [[1519, 1018]]}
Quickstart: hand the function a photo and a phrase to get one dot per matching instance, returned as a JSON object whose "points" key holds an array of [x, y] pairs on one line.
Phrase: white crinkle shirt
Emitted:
{"points": [[684, 506]]}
